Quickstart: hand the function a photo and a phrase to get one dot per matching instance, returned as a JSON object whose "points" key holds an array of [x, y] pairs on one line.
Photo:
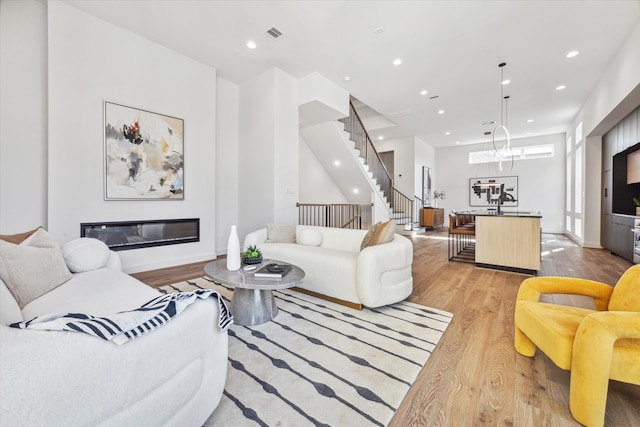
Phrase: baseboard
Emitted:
{"points": [[328, 298]]}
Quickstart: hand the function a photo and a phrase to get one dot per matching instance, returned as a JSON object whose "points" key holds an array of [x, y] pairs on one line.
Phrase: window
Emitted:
{"points": [[519, 153]]}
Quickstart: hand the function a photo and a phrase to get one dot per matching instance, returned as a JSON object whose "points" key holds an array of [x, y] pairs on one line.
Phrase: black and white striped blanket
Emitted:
{"points": [[127, 325]]}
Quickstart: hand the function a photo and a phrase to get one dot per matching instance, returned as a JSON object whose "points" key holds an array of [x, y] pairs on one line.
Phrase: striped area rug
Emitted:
{"points": [[319, 363]]}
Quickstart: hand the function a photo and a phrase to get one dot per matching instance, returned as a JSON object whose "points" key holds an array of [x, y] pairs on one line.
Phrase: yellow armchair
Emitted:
{"points": [[596, 345]]}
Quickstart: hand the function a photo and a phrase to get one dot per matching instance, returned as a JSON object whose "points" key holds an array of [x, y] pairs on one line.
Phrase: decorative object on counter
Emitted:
{"points": [[493, 191], [252, 255], [636, 200], [438, 195], [144, 154], [505, 153], [233, 250]]}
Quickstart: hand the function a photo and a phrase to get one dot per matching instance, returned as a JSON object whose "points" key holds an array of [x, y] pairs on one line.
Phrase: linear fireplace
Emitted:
{"points": [[123, 235]]}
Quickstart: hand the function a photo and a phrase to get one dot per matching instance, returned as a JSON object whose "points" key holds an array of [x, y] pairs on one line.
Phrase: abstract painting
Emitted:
{"points": [[486, 192], [144, 154], [426, 186]]}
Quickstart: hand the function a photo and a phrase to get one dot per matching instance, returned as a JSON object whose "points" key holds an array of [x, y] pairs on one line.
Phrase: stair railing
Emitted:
{"points": [[359, 135], [350, 215]]}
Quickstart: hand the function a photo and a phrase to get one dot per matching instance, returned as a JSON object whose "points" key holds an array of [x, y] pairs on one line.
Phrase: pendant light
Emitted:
{"points": [[505, 153]]}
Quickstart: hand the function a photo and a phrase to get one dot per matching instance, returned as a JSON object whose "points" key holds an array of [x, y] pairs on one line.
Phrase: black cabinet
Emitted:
{"points": [[616, 216]]}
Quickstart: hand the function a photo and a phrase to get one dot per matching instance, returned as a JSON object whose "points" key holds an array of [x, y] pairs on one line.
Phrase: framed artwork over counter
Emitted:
{"points": [[143, 154], [485, 192]]}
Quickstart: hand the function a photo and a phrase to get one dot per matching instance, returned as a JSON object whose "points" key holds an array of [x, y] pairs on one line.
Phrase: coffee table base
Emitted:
{"points": [[253, 306]]}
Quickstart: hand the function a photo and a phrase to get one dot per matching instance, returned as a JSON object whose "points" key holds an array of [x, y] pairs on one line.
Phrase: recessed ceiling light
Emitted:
{"points": [[561, 87], [572, 54], [397, 61], [347, 78], [506, 81], [457, 142], [378, 30], [380, 138], [337, 162], [423, 92], [251, 44], [447, 133], [530, 121], [356, 191], [440, 111]]}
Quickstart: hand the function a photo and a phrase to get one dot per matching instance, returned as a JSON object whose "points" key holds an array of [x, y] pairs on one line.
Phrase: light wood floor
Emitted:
{"points": [[475, 377]]}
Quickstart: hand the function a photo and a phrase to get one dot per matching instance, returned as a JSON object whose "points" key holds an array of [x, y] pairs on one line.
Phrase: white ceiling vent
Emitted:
{"points": [[274, 33]]}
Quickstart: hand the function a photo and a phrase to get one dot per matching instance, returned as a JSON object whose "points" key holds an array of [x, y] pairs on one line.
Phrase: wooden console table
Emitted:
{"points": [[431, 217]]}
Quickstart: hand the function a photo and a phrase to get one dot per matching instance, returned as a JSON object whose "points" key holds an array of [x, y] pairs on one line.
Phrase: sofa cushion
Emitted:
{"points": [[281, 233], [382, 233], [33, 267], [369, 235], [310, 237], [18, 238], [97, 292], [85, 254]]}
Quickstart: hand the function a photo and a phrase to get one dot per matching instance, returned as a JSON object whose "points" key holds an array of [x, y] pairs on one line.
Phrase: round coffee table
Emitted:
{"points": [[253, 302]]}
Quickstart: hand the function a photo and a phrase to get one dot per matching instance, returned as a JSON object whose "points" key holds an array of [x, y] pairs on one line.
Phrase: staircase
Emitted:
{"points": [[348, 140], [401, 208]]}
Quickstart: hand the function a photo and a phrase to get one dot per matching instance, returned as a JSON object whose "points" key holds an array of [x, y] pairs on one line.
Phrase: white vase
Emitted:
{"points": [[233, 250]]}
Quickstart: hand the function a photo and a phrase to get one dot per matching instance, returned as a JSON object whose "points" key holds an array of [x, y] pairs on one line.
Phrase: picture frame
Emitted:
{"points": [[485, 191], [143, 154], [426, 186]]}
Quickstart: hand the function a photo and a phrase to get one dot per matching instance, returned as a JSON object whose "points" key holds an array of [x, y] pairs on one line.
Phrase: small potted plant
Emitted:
{"points": [[252, 255], [636, 200], [438, 195]]}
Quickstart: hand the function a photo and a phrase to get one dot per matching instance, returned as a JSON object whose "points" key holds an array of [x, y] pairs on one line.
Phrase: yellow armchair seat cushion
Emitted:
{"points": [[551, 327]]}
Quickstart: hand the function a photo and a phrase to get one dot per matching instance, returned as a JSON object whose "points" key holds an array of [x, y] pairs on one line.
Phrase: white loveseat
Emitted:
{"points": [[335, 266], [173, 375]]}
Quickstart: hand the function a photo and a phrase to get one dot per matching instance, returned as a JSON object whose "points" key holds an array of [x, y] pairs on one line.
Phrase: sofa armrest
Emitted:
{"points": [[255, 238], [374, 262]]}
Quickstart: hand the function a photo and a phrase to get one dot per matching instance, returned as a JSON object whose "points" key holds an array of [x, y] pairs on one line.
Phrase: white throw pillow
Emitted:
{"points": [[310, 237], [85, 254], [32, 268], [281, 233]]}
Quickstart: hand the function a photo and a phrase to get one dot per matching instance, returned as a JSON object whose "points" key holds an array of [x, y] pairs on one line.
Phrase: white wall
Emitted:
{"points": [[268, 166], [403, 162], [316, 185], [91, 61], [540, 181], [227, 156], [23, 116]]}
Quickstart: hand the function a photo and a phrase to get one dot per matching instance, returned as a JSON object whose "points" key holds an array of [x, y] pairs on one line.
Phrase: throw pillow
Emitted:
{"points": [[310, 237], [17, 238], [85, 254], [369, 235], [384, 233], [281, 233], [32, 268]]}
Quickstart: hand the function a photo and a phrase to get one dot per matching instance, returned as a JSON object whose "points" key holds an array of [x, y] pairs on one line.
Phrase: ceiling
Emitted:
{"points": [[449, 48]]}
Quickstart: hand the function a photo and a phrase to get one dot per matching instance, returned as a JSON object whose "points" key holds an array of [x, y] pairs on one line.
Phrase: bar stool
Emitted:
{"points": [[461, 245]]}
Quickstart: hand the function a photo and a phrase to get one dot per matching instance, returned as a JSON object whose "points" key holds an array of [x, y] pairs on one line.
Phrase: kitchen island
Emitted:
{"points": [[510, 240]]}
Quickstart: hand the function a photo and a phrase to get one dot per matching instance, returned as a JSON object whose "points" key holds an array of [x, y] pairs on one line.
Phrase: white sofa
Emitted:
{"points": [[335, 266], [172, 376]]}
